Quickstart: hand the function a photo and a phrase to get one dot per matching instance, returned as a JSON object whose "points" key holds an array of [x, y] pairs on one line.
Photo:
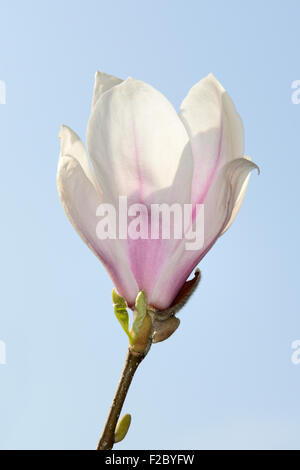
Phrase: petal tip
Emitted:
{"points": [[254, 165], [211, 77], [100, 75], [102, 83], [62, 130]]}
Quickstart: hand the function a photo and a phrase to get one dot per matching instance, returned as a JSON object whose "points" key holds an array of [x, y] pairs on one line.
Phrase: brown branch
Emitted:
{"points": [[132, 362]]}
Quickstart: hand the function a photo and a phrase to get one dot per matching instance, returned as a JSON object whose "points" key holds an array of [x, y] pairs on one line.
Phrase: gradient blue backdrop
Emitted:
{"points": [[225, 379]]}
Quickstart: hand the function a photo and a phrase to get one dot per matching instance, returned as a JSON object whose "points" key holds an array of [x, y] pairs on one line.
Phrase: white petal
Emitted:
{"points": [[218, 210], [241, 175], [80, 200], [138, 145], [215, 130], [103, 82], [71, 145]]}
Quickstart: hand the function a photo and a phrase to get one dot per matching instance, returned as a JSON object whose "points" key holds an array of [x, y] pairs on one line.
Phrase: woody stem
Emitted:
{"points": [[133, 360]]}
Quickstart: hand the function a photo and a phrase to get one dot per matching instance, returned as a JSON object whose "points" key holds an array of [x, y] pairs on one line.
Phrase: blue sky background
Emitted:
{"points": [[225, 379]]}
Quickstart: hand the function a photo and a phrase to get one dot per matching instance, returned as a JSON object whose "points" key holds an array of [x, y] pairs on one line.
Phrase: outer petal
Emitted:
{"points": [[103, 82], [239, 197], [219, 206], [71, 145], [140, 149], [80, 200], [215, 130], [136, 141]]}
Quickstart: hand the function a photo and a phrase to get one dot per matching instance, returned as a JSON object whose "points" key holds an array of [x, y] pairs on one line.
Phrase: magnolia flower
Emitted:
{"points": [[140, 147]]}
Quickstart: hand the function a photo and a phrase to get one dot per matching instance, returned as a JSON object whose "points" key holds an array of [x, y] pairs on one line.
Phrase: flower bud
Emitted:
{"points": [[122, 428]]}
